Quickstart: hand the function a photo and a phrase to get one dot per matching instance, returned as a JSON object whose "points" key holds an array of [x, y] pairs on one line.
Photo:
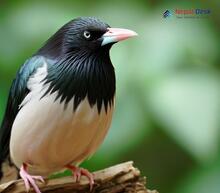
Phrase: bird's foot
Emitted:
{"points": [[30, 180], [78, 172]]}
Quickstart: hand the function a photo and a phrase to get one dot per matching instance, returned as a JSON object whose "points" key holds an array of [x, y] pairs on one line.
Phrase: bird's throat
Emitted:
{"points": [[81, 75]]}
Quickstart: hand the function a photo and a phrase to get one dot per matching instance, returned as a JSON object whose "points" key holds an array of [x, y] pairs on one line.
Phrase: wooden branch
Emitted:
{"points": [[119, 178]]}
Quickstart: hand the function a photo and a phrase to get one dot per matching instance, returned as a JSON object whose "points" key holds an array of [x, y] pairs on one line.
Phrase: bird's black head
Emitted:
{"points": [[84, 33], [80, 64]]}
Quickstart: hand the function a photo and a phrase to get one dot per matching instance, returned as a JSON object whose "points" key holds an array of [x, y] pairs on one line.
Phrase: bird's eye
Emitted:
{"points": [[87, 34]]}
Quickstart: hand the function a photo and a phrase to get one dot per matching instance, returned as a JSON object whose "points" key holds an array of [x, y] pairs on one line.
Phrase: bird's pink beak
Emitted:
{"points": [[116, 35]]}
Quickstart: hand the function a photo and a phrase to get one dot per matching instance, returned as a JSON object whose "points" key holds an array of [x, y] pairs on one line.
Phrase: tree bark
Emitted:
{"points": [[119, 178]]}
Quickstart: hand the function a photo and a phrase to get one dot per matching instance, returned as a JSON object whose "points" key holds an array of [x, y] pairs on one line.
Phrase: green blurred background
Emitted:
{"points": [[167, 116]]}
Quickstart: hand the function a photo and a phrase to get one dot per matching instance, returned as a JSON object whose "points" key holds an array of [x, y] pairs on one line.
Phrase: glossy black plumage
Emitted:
{"points": [[79, 67], [70, 38], [91, 76]]}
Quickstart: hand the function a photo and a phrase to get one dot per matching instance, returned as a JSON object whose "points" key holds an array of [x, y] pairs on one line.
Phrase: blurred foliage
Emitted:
{"points": [[168, 84]]}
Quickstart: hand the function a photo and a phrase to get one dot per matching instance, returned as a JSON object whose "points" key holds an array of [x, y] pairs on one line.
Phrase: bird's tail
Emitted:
{"points": [[8, 171]]}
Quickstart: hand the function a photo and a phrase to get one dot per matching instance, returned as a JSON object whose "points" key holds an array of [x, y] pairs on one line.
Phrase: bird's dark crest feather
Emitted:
{"points": [[56, 46]]}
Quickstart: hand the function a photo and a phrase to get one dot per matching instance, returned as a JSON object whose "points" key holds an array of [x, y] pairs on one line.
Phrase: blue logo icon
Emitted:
{"points": [[167, 13]]}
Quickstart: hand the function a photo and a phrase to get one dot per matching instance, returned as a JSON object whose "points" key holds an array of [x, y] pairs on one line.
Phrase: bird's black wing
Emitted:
{"points": [[17, 94]]}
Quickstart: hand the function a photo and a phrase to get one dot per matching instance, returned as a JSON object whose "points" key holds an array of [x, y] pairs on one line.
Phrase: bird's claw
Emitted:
{"points": [[78, 172], [30, 180]]}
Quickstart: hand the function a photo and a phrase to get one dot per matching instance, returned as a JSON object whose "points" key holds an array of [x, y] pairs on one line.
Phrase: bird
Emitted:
{"points": [[61, 102]]}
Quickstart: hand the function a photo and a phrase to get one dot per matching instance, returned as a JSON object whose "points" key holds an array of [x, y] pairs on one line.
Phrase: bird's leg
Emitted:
{"points": [[78, 172], [30, 180]]}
